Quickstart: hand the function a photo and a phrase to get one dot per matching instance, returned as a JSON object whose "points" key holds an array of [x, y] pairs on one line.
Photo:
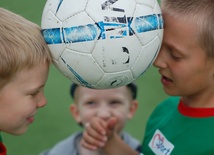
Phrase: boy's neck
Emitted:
{"points": [[202, 101]]}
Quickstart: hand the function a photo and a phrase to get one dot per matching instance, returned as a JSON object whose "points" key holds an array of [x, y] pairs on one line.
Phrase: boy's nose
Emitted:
{"points": [[104, 113], [160, 61], [42, 102]]}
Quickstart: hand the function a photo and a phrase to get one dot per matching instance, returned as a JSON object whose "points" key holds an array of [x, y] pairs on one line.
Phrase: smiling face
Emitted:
{"points": [[115, 102], [185, 68], [21, 97]]}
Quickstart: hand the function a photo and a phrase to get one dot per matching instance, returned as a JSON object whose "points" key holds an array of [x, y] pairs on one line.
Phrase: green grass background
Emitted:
{"points": [[54, 122]]}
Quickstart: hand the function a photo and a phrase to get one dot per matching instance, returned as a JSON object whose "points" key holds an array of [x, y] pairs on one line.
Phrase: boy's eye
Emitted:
{"points": [[90, 103], [35, 93], [173, 54], [175, 57], [115, 102]]}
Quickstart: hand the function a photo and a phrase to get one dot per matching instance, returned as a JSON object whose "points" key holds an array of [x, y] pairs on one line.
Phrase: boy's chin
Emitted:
{"points": [[17, 132]]}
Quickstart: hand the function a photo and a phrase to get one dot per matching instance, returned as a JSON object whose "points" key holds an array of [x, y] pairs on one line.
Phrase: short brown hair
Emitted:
{"points": [[132, 87], [199, 12]]}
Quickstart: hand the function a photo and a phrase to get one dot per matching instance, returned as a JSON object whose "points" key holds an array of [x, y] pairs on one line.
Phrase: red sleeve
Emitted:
{"points": [[3, 149]]}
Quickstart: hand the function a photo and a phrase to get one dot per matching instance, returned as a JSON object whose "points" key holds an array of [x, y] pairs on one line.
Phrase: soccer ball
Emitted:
{"points": [[102, 44]]}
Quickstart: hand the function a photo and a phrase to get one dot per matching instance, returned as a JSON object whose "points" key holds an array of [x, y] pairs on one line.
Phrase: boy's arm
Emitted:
{"points": [[115, 145], [100, 134]]}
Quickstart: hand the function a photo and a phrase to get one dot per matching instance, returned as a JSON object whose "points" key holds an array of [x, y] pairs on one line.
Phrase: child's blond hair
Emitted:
{"points": [[21, 45]]}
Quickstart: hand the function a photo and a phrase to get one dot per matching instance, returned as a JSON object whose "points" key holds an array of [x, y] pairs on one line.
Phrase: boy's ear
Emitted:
{"points": [[75, 112], [133, 108]]}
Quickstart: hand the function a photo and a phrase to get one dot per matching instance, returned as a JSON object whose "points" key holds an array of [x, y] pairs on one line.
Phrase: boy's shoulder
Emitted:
{"points": [[170, 102], [168, 105], [66, 146]]}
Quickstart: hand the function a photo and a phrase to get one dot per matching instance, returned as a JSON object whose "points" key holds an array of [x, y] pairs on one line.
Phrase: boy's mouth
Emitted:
{"points": [[165, 80], [30, 119]]}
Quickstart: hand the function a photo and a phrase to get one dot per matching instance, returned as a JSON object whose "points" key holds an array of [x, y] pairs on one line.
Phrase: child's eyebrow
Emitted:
{"points": [[173, 47], [39, 87]]}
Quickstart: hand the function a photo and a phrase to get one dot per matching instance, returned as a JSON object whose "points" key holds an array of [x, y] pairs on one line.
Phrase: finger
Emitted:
{"points": [[111, 123], [97, 125], [111, 127], [88, 146], [92, 138], [94, 133]]}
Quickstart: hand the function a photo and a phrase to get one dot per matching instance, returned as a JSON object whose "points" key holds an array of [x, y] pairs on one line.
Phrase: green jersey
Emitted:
{"points": [[175, 129]]}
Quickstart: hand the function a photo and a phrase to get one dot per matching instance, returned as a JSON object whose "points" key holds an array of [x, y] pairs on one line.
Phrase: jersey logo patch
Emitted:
{"points": [[160, 145]]}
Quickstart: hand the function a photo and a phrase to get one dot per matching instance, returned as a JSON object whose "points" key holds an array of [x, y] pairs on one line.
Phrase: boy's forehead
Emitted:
{"points": [[177, 31], [84, 93]]}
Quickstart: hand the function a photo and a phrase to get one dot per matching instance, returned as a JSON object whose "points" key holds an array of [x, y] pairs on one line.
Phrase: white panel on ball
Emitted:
{"points": [[121, 57], [149, 3], [85, 64], [146, 58], [116, 79]]}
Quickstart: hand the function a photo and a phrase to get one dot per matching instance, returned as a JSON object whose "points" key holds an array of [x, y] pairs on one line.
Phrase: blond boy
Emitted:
{"points": [[24, 66]]}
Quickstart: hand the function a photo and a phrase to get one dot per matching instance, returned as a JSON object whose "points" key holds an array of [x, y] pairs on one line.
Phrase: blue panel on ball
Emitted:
{"points": [[90, 32], [148, 23], [52, 36], [80, 33]]}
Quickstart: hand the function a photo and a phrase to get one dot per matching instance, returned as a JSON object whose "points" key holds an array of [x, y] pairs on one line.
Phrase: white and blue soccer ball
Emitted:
{"points": [[102, 43]]}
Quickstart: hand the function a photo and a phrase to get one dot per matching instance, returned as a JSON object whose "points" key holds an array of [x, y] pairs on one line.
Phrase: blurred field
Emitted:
{"points": [[54, 122]]}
